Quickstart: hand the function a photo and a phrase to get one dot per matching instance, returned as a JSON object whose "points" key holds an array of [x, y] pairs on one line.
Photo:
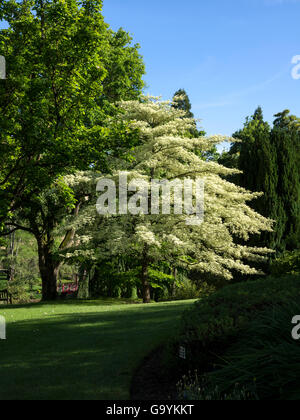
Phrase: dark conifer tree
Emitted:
{"points": [[182, 101], [269, 161], [255, 156], [285, 139]]}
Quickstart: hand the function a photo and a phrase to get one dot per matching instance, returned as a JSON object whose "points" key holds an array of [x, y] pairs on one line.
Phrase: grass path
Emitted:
{"points": [[80, 350]]}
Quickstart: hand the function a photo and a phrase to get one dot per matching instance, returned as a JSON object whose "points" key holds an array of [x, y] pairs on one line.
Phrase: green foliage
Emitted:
{"points": [[287, 263], [222, 315], [265, 357], [255, 156], [241, 336], [182, 101], [65, 69], [286, 121], [158, 278], [110, 280], [118, 278], [19, 255], [286, 140], [185, 289], [199, 388], [269, 161]]}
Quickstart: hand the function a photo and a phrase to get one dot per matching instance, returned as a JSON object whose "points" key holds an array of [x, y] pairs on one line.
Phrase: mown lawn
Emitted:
{"points": [[80, 350]]}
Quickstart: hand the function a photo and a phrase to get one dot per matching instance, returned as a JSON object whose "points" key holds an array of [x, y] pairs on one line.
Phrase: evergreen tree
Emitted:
{"points": [[232, 158], [258, 114], [182, 102], [268, 159], [286, 121], [285, 139], [258, 163]]}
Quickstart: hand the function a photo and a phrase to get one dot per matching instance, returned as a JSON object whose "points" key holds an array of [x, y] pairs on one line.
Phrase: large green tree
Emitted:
{"points": [[65, 69], [268, 160]]}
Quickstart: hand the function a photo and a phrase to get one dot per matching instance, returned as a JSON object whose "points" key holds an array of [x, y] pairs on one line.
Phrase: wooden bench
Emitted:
{"points": [[5, 296]]}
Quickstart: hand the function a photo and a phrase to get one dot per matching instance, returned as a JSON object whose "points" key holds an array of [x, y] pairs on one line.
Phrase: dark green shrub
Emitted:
{"points": [[265, 355], [240, 338], [214, 323], [186, 289], [288, 263], [224, 313]]}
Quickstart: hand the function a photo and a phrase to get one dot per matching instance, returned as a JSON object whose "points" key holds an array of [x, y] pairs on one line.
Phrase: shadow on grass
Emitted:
{"points": [[82, 355]]}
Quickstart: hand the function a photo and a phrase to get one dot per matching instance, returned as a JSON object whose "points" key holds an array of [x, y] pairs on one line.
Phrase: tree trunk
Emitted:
{"points": [[84, 283], [49, 269], [174, 287], [145, 278], [49, 265]]}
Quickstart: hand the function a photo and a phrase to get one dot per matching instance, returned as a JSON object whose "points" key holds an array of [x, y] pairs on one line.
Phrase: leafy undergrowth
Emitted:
{"points": [[239, 340], [80, 350], [224, 313], [265, 360]]}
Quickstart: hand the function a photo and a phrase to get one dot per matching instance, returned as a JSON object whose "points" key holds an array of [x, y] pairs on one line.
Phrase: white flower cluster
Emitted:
{"points": [[167, 151]]}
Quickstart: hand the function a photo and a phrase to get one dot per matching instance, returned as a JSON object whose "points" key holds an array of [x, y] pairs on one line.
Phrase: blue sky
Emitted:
{"points": [[230, 56]]}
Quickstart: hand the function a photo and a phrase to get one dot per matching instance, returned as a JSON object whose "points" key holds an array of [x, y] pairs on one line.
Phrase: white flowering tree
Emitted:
{"points": [[167, 152]]}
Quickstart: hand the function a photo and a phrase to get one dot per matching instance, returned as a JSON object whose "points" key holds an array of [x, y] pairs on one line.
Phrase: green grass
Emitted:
{"points": [[80, 349]]}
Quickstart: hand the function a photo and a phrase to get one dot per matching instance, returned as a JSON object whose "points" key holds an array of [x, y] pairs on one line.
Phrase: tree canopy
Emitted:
{"points": [[65, 67], [65, 70], [167, 153]]}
